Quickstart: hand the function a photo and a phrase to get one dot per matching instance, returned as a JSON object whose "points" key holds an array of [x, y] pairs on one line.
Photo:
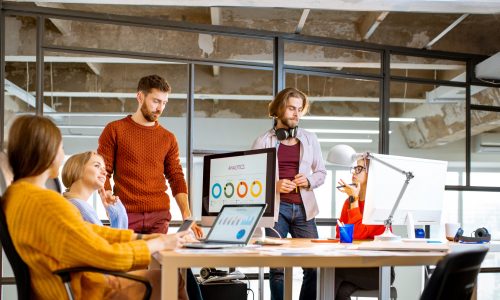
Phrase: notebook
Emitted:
{"points": [[233, 227]]}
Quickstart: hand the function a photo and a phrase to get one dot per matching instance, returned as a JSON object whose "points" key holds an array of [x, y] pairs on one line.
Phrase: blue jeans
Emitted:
{"points": [[292, 219]]}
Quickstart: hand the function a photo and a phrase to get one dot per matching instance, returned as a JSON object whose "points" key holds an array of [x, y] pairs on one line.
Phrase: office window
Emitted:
{"points": [[481, 209], [324, 197]]}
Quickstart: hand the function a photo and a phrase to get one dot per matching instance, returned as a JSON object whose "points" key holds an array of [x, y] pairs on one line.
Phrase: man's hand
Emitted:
{"points": [[285, 186], [301, 180], [107, 197], [198, 232]]}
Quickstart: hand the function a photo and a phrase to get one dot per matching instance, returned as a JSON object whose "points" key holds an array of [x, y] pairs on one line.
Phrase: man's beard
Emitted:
{"points": [[147, 114], [289, 123]]}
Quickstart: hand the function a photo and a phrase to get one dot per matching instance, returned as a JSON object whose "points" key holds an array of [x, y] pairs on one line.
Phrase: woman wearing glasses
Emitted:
{"points": [[347, 281]]}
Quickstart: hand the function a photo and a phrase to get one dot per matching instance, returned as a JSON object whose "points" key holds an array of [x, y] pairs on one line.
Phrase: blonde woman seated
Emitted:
{"points": [[83, 174], [49, 233]]}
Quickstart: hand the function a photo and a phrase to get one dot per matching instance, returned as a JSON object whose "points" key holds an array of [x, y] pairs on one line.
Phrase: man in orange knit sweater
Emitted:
{"points": [[141, 154]]}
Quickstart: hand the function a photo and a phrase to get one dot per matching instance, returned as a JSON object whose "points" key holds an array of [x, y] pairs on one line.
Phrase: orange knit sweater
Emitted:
{"points": [[140, 158], [49, 234]]}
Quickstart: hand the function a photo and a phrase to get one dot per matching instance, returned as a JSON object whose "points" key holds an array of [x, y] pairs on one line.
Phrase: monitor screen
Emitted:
{"points": [[242, 177], [423, 197]]}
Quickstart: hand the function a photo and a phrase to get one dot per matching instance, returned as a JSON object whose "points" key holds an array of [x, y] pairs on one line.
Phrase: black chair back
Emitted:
{"points": [[21, 270], [455, 276], [54, 184]]}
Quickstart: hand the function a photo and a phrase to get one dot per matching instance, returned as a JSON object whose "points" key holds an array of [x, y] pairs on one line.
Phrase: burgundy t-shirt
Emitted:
{"points": [[288, 163]]}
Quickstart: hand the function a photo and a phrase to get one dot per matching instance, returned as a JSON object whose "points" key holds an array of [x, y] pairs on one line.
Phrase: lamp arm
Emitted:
{"points": [[371, 156], [409, 176], [388, 221]]}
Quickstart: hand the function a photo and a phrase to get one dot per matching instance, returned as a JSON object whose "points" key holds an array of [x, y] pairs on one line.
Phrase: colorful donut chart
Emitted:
{"points": [[259, 191], [242, 194], [219, 192], [226, 187]]}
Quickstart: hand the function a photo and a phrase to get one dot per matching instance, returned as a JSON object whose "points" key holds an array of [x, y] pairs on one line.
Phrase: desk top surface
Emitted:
{"points": [[298, 252]]}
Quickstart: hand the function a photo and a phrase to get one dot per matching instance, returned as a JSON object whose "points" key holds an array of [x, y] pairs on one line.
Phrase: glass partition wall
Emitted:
{"points": [[378, 98]]}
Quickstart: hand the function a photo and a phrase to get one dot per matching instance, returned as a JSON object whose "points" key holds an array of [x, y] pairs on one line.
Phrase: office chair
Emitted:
{"points": [[54, 184], [455, 275]]}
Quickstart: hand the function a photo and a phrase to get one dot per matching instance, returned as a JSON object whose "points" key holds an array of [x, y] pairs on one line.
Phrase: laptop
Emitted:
{"points": [[233, 227]]}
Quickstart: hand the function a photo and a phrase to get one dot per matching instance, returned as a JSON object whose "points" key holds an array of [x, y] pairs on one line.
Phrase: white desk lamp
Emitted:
{"points": [[346, 156]]}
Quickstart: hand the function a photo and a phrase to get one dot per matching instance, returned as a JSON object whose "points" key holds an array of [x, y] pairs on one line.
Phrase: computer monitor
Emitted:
{"points": [[422, 202], [242, 177]]}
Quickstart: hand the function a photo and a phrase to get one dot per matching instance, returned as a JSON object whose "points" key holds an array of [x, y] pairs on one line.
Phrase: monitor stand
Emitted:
{"points": [[261, 239], [410, 226], [388, 236]]}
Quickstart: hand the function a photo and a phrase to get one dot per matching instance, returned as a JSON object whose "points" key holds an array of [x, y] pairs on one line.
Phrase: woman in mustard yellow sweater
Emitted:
{"points": [[50, 234]]}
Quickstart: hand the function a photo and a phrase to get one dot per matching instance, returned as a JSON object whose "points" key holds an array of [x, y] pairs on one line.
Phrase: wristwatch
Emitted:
{"points": [[351, 199]]}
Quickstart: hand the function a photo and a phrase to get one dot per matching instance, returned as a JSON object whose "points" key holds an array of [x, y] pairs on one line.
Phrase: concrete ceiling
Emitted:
{"points": [[79, 83]]}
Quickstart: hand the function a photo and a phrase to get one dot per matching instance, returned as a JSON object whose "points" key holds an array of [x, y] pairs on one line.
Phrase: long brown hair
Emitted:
{"points": [[33, 145], [278, 105]]}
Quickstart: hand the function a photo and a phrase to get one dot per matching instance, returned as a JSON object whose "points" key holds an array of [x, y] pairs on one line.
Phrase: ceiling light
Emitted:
{"points": [[364, 119], [80, 136], [96, 114], [348, 131], [80, 127], [361, 141]]}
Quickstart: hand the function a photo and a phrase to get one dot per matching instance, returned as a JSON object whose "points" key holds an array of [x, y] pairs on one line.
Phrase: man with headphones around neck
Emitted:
{"points": [[300, 170]]}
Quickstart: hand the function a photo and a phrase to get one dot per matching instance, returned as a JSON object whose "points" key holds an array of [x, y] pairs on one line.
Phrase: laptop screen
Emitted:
{"points": [[236, 223]]}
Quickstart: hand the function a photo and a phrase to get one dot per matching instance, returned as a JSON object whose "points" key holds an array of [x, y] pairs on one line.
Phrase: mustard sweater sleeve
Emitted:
{"points": [[112, 235], [61, 234], [81, 244]]}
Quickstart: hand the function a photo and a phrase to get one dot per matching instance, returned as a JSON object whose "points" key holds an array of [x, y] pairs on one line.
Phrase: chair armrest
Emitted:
{"points": [[65, 275]]}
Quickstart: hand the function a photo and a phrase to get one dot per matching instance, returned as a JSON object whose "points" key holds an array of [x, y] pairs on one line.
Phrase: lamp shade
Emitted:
{"points": [[342, 155]]}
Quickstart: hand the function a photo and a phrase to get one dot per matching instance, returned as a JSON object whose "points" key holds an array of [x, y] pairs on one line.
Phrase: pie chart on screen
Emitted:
{"points": [[240, 234]]}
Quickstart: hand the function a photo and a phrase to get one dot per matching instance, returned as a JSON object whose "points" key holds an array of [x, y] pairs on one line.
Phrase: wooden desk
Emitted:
{"points": [[298, 253]]}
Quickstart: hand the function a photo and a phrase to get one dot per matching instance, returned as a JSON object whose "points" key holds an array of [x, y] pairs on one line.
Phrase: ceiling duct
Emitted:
{"points": [[487, 142], [489, 69]]}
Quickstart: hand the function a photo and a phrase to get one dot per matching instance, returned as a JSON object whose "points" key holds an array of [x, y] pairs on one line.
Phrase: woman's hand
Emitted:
{"points": [[349, 189], [352, 191], [167, 241], [107, 197]]}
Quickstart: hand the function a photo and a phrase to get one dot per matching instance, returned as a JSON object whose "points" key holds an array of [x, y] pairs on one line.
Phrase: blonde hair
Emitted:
{"points": [[74, 166], [278, 105]]}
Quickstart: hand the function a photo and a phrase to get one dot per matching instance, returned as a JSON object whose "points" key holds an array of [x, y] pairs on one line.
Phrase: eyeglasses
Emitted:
{"points": [[357, 169]]}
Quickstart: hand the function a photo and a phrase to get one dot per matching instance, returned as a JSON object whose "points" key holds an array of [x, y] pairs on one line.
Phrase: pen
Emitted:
{"points": [[351, 184]]}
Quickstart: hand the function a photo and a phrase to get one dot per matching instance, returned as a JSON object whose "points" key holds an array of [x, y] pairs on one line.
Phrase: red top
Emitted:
{"points": [[140, 158], [288, 163], [355, 216]]}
